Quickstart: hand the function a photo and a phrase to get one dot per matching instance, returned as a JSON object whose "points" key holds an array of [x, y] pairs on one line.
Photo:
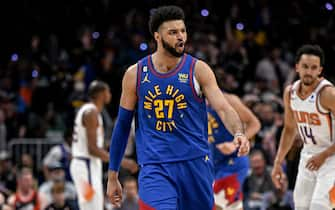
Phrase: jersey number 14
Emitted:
{"points": [[307, 134]]}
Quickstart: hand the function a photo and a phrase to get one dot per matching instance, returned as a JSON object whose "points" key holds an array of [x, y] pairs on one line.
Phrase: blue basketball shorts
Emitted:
{"points": [[184, 185]]}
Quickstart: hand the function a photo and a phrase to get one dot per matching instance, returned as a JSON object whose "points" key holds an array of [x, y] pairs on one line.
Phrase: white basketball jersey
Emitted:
{"points": [[314, 123], [80, 143]]}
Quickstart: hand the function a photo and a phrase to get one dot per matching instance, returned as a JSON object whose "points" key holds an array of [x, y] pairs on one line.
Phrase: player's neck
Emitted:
{"points": [[164, 62], [98, 104]]}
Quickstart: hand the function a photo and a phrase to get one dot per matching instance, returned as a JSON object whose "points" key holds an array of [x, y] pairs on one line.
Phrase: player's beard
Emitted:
{"points": [[308, 80], [171, 49]]}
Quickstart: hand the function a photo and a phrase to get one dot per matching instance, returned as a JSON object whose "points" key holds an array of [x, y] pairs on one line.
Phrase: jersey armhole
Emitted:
{"points": [[319, 107], [289, 95], [192, 77]]}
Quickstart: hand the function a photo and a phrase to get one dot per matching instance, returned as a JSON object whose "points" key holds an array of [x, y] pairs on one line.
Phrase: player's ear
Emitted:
{"points": [[296, 67], [156, 36], [320, 70]]}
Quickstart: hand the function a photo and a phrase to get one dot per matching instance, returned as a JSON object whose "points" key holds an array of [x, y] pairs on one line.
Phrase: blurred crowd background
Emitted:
{"points": [[49, 57]]}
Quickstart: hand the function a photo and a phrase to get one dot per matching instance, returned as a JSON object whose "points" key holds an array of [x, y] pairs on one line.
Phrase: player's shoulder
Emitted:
{"points": [[131, 72], [328, 91], [90, 111], [132, 69], [287, 95], [325, 88], [89, 106], [200, 64], [288, 88], [291, 87], [202, 70], [130, 78], [327, 97]]}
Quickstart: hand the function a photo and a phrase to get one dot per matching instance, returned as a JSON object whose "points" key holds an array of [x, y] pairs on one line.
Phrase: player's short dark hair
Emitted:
{"points": [[163, 14], [95, 88], [310, 50]]}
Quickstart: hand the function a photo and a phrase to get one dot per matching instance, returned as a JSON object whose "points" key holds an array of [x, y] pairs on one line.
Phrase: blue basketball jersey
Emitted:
{"points": [[218, 133], [171, 117]]}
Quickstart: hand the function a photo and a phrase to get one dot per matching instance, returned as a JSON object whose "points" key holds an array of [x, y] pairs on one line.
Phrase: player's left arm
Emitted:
{"points": [[327, 100], [219, 103]]}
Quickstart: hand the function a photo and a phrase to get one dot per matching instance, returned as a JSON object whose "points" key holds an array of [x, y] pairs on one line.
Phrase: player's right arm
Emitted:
{"points": [[91, 123], [120, 134], [252, 124], [286, 140]]}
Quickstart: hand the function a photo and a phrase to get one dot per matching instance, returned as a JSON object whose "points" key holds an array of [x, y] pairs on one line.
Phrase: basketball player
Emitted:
{"points": [[309, 109], [87, 148], [167, 89], [230, 169]]}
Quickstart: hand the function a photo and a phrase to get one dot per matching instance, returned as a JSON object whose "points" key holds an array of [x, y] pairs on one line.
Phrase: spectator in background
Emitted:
{"points": [[2, 199], [15, 122], [253, 49], [283, 197], [57, 175], [226, 80], [26, 195], [133, 52], [273, 70], [130, 200], [27, 161], [271, 122], [59, 201], [59, 153], [85, 56], [111, 73], [3, 131], [3, 205], [7, 174], [250, 100], [271, 135], [259, 189]]}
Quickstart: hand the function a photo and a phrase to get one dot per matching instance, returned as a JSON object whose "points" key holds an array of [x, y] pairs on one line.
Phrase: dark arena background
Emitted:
{"points": [[50, 51]]}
